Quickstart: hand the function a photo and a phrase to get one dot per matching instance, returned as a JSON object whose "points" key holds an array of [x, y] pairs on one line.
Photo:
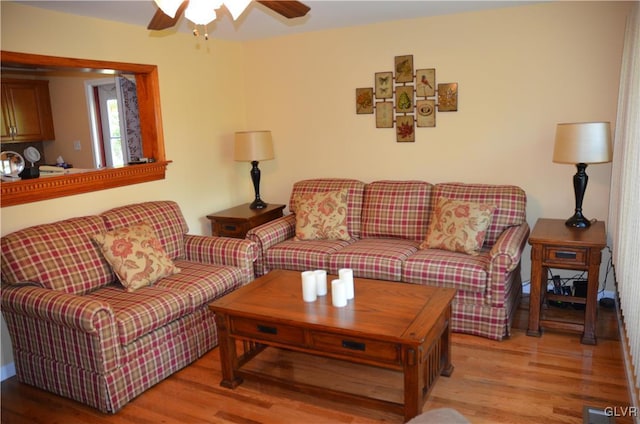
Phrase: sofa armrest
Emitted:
{"points": [[270, 234], [504, 258], [505, 254], [61, 327], [225, 251]]}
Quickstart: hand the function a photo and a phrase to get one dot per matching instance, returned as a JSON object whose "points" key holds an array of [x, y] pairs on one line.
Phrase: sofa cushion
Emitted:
{"points": [[136, 255], [374, 258], [355, 194], [442, 268], [510, 203], [141, 312], [164, 217], [458, 226], [203, 283], [322, 216], [396, 209], [59, 256], [302, 255]]}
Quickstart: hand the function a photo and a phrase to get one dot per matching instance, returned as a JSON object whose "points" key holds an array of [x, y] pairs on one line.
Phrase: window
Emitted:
{"points": [[113, 139], [108, 114]]}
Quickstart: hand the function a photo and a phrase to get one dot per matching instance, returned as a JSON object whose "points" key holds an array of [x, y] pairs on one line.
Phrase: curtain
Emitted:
{"points": [[625, 193], [132, 137]]}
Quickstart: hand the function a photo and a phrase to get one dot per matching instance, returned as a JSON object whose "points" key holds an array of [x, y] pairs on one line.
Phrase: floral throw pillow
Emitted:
{"points": [[136, 255], [458, 226], [322, 216]]}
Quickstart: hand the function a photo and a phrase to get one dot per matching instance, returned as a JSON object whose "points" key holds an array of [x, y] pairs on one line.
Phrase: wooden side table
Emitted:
{"points": [[554, 245], [236, 221]]}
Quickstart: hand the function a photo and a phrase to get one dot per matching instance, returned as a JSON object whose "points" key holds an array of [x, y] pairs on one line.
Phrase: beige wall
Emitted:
{"points": [[520, 70], [71, 120]]}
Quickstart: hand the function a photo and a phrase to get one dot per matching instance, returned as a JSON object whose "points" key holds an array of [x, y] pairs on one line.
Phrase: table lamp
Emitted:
{"points": [[254, 146], [580, 144]]}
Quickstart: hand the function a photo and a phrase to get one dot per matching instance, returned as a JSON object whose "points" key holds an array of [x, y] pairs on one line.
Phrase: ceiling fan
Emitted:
{"points": [[288, 9]]}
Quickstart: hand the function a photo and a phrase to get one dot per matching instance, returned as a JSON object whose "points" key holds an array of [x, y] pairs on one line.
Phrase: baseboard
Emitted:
{"points": [[634, 393], [7, 371]]}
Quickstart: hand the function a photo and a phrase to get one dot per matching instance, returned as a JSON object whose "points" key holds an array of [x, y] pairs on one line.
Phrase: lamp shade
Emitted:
{"points": [[253, 146], [583, 142]]}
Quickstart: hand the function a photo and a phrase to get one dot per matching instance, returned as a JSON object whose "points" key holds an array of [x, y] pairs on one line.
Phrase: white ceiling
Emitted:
{"points": [[259, 22]]}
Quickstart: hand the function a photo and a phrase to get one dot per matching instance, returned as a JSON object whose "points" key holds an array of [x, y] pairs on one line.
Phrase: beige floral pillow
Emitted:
{"points": [[458, 226], [136, 255], [322, 216]]}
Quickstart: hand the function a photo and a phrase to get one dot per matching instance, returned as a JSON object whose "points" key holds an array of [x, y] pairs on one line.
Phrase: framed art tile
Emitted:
{"points": [[425, 82], [364, 100], [384, 115], [426, 113], [404, 99], [384, 85], [448, 97], [405, 129], [404, 68]]}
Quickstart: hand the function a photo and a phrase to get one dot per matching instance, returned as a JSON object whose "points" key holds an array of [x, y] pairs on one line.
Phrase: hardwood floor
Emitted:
{"points": [[520, 380]]}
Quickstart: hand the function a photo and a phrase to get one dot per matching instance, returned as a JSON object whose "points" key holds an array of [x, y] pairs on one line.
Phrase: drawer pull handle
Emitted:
{"points": [[566, 255], [347, 344], [267, 330], [230, 227]]}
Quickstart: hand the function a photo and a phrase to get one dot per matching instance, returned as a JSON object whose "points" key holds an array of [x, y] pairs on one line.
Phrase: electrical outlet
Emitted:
{"points": [[77, 145]]}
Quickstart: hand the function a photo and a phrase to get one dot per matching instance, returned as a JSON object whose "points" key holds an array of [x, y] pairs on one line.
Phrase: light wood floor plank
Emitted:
{"points": [[520, 380]]}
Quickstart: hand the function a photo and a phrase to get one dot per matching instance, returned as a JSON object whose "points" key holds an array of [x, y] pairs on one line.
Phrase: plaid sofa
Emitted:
{"points": [[77, 333], [387, 221]]}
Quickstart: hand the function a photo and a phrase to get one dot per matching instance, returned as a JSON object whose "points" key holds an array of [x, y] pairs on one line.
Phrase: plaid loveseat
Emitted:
{"points": [[387, 221], [76, 332]]}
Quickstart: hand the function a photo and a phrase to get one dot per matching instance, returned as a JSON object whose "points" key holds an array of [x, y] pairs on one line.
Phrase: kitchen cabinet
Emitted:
{"points": [[26, 111]]}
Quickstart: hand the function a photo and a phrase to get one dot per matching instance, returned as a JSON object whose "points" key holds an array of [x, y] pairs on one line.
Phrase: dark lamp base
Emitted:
{"points": [[577, 221], [257, 204], [29, 173]]}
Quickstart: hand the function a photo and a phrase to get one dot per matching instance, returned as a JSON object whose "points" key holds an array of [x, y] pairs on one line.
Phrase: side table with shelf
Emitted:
{"points": [[237, 221], [554, 245]]}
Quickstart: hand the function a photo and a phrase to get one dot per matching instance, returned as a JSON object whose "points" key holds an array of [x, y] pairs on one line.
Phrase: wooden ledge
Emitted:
{"points": [[44, 188]]}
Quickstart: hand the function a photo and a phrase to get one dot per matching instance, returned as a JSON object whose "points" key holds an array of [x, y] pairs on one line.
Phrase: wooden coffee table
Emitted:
{"points": [[396, 328]]}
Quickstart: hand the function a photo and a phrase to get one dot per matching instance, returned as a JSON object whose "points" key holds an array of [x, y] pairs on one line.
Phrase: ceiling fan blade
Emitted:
{"points": [[163, 21], [288, 9]]}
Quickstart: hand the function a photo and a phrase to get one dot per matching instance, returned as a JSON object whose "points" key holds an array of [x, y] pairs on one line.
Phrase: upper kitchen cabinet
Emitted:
{"points": [[26, 111]]}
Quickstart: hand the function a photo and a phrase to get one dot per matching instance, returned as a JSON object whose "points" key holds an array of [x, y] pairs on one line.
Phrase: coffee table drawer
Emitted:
{"points": [[353, 346], [267, 331]]}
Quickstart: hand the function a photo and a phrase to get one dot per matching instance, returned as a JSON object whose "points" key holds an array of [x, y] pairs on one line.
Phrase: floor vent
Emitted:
{"points": [[593, 415]]}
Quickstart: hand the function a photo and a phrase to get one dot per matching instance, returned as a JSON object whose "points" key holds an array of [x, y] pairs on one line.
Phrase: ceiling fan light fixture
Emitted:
{"points": [[236, 7], [201, 12], [169, 7]]}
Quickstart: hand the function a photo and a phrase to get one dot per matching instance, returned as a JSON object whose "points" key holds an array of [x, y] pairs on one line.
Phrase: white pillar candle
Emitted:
{"points": [[321, 282], [338, 294], [309, 286], [346, 275]]}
